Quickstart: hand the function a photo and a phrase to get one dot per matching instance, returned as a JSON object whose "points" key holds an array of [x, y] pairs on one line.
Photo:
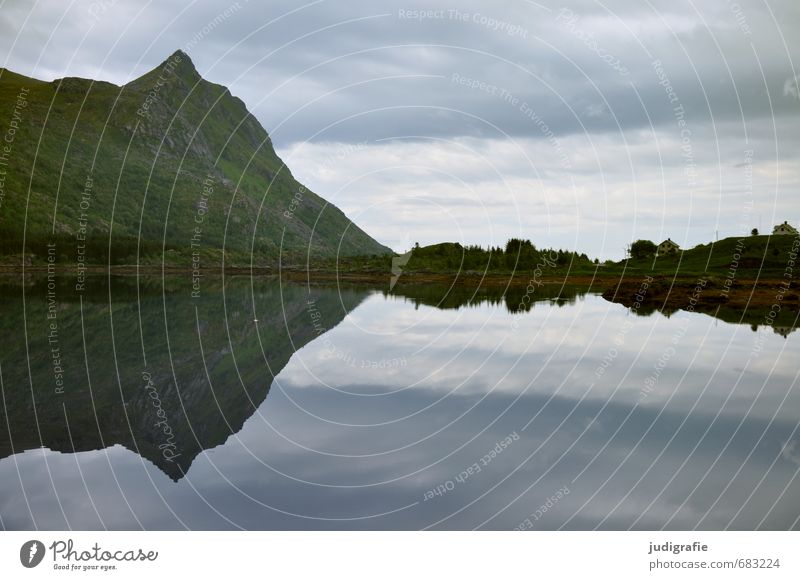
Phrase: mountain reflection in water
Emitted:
{"points": [[422, 407]]}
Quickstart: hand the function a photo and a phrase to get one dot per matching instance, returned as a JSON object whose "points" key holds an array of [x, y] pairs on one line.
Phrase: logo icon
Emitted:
{"points": [[31, 553], [397, 268], [398, 262]]}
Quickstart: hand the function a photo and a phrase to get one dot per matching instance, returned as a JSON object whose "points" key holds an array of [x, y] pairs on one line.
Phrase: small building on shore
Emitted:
{"points": [[784, 331], [784, 229], [667, 247]]}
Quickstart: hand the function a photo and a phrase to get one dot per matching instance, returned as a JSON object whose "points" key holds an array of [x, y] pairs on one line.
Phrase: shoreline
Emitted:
{"points": [[617, 286], [522, 277]]}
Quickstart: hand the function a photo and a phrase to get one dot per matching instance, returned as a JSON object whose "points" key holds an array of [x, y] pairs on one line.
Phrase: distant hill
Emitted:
{"points": [[748, 256], [168, 160]]}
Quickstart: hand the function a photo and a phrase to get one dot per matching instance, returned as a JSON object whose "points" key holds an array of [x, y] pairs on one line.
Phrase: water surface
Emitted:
{"points": [[260, 404]]}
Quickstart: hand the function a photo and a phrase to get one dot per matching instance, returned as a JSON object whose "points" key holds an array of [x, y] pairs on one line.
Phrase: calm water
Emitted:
{"points": [[260, 405]]}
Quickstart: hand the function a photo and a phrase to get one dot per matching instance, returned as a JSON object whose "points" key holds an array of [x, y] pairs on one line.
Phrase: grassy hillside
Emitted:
{"points": [[749, 256], [167, 162]]}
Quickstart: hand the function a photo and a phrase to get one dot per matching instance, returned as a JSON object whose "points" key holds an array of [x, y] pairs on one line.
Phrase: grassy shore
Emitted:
{"points": [[737, 272]]}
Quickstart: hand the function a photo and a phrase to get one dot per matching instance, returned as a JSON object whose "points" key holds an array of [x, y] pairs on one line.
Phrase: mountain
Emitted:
{"points": [[169, 165]]}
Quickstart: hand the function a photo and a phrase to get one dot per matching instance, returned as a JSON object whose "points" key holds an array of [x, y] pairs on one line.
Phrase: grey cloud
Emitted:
{"points": [[558, 64]]}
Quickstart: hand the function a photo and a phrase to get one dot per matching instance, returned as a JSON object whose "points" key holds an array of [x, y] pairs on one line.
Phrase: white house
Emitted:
{"points": [[784, 229], [667, 247]]}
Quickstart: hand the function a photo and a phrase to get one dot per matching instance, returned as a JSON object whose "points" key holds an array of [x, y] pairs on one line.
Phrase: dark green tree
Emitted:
{"points": [[642, 249], [521, 254]]}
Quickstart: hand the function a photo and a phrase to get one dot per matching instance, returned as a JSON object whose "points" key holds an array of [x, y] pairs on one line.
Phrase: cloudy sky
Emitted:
{"points": [[578, 124]]}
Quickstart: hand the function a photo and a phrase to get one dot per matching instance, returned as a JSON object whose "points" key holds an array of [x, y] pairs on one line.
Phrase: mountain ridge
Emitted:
{"points": [[162, 156]]}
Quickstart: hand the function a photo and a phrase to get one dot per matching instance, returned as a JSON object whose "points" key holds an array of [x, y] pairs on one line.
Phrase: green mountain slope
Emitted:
{"points": [[169, 161]]}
